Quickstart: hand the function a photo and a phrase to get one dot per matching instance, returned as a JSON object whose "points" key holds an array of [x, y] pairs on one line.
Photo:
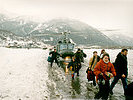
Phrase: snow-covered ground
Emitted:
{"points": [[23, 74], [26, 75]]}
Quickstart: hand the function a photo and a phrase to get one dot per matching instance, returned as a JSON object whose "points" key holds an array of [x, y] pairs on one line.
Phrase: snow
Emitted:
{"points": [[56, 30], [72, 41], [23, 74], [47, 29], [51, 39], [26, 75]]}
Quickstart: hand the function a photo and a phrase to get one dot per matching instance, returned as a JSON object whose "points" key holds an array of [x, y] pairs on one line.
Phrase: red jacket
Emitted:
{"points": [[102, 67]]}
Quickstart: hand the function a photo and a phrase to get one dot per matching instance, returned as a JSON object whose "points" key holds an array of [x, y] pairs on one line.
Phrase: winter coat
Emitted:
{"points": [[78, 56], [82, 56], [102, 67], [93, 61], [121, 65], [54, 54], [73, 64]]}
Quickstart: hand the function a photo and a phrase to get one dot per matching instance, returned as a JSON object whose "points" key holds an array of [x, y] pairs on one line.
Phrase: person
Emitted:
{"points": [[82, 56], [104, 71], [78, 58], [121, 70], [54, 55], [129, 92], [102, 53], [73, 65], [92, 63]]}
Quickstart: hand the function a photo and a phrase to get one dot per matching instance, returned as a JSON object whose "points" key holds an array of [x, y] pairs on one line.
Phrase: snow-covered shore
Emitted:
{"points": [[26, 75], [23, 74]]}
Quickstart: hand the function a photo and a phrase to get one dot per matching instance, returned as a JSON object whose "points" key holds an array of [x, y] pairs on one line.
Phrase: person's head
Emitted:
{"points": [[124, 52], [95, 53], [79, 50], [54, 50], [106, 58], [73, 58], [50, 49], [102, 51]]}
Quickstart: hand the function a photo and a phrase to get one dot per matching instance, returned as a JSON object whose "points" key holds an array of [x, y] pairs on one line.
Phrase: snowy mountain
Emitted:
{"points": [[9, 39], [122, 39], [5, 35], [18, 25], [81, 33]]}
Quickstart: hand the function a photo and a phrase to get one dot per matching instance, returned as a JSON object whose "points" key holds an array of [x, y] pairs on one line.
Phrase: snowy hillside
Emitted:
{"points": [[9, 39], [122, 39], [19, 25], [81, 33]]}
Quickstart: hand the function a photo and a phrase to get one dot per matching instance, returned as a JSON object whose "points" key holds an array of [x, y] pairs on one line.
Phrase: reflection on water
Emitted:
{"points": [[76, 85]]}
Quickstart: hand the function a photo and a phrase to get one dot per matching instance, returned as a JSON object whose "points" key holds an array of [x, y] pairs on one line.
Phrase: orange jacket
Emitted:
{"points": [[102, 67]]}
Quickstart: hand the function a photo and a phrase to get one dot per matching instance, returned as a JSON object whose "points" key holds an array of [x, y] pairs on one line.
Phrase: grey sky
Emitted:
{"points": [[101, 14]]}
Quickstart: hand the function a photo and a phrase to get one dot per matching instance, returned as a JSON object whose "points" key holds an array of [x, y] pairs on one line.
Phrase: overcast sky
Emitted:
{"points": [[101, 14]]}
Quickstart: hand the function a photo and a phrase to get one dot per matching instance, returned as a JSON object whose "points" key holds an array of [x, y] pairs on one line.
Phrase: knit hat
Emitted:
{"points": [[106, 54]]}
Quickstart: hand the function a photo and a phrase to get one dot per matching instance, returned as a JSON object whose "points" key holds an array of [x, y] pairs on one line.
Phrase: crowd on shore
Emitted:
{"points": [[100, 70]]}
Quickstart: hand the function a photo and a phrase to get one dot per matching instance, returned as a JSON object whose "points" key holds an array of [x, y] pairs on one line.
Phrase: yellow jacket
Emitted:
{"points": [[94, 63]]}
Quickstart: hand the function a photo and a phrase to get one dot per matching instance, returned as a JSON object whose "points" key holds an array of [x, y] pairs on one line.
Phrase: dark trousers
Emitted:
{"points": [[124, 82], [78, 68], [94, 81], [56, 61], [103, 90]]}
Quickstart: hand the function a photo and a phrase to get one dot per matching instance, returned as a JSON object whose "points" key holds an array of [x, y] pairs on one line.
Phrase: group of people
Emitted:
{"points": [[75, 64], [102, 68]]}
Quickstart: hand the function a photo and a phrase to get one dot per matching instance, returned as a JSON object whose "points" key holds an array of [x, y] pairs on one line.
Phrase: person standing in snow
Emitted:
{"points": [[54, 54], [78, 58], [92, 63], [104, 71], [121, 70], [73, 67], [83, 55], [102, 53]]}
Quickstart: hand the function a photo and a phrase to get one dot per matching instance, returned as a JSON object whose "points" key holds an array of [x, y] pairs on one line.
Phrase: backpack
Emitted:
{"points": [[49, 59], [89, 74]]}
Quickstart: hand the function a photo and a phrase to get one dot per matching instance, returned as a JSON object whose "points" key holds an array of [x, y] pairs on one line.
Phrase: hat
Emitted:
{"points": [[106, 54]]}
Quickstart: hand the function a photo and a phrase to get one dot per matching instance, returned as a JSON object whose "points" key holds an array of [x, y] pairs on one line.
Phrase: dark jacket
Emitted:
{"points": [[121, 65], [78, 56], [54, 54], [73, 64], [82, 56]]}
